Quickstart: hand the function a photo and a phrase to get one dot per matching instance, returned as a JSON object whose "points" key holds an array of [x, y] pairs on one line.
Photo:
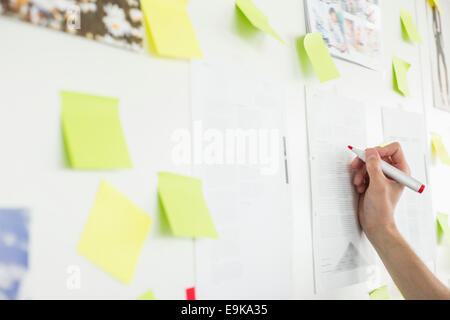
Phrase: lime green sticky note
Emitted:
{"points": [[114, 233], [92, 132], [381, 293], [147, 296], [434, 3], [439, 149], [409, 27], [257, 18], [320, 57], [442, 221], [170, 29], [184, 206], [400, 70]]}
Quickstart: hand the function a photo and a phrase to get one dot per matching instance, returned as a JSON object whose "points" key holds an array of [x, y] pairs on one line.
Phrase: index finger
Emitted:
{"points": [[395, 152]]}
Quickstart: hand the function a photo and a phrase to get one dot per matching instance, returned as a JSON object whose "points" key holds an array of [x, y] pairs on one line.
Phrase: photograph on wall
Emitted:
{"points": [[118, 23], [350, 28], [440, 54]]}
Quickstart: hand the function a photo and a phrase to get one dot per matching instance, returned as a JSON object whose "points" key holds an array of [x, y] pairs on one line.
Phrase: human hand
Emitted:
{"points": [[378, 194]]}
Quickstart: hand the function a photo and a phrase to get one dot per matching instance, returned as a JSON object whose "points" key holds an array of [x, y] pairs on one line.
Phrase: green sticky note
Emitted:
{"points": [[92, 132], [381, 293], [184, 206], [443, 227], [114, 233], [400, 71], [257, 18], [320, 57], [409, 27], [170, 29], [147, 296]]}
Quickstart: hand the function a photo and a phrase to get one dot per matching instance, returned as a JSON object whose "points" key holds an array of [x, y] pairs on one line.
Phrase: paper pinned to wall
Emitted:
{"points": [[170, 29], [114, 234], [257, 18], [409, 26], [400, 69], [320, 57], [438, 148], [148, 295], [184, 206], [443, 227], [381, 293], [92, 132]]}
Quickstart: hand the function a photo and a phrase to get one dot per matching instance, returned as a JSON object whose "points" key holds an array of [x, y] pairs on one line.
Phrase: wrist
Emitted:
{"points": [[383, 235]]}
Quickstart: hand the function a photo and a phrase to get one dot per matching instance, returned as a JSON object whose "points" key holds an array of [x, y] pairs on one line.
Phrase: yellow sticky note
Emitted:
{"points": [[434, 3], [320, 57], [92, 132], [383, 144], [147, 296], [439, 149], [409, 26], [170, 29], [114, 233], [184, 206], [443, 227], [381, 293], [400, 70], [256, 17]]}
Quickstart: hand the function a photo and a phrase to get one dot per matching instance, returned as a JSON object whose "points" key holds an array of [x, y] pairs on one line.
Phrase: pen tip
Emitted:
{"points": [[350, 147]]}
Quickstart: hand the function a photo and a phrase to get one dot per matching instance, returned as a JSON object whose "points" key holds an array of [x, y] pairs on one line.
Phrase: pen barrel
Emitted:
{"points": [[394, 173], [401, 177]]}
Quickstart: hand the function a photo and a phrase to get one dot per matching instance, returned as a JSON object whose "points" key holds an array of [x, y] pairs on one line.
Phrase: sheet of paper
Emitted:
{"points": [[190, 293], [381, 293], [439, 148], [14, 241], [400, 70], [249, 199], [257, 18], [184, 206], [409, 26], [342, 254], [170, 29], [442, 220], [114, 233], [92, 132], [320, 58], [414, 214], [147, 296]]}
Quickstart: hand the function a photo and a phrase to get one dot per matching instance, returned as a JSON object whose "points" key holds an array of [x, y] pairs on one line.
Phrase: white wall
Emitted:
{"points": [[35, 64]]}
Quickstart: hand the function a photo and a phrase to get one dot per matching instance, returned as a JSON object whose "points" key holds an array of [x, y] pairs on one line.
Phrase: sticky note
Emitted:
{"points": [[320, 57], [409, 26], [190, 293], [439, 149], [114, 233], [148, 295], [381, 293], [92, 132], [435, 3], [184, 206], [400, 70], [256, 17], [443, 227], [170, 29]]}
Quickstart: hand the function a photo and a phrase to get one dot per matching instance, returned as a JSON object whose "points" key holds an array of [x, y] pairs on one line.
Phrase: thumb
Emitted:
{"points": [[373, 166]]}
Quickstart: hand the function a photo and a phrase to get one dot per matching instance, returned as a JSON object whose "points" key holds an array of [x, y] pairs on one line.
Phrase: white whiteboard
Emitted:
{"points": [[35, 64]]}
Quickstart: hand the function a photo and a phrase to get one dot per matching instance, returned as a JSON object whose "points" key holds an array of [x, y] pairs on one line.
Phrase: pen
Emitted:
{"points": [[394, 173]]}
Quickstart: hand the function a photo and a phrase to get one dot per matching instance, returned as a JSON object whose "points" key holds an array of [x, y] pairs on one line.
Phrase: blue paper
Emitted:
{"points": [[14, 239]]}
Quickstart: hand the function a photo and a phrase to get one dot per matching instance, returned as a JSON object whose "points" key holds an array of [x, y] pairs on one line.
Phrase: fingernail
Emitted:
{"points": [[371, 153]]}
